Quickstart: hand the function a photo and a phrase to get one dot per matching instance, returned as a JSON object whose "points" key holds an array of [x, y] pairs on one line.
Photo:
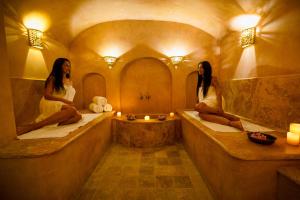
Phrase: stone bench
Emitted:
{"points": [[53, 168], [234, 167], [288, 186]]}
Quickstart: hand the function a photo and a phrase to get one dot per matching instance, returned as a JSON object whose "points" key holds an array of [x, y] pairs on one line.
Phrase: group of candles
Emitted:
{"points": [[147, 117], [293, 136]]}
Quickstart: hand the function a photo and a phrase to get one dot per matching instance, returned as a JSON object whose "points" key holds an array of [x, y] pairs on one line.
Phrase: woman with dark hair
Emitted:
{"points": [[210, 102], [56, 106]]}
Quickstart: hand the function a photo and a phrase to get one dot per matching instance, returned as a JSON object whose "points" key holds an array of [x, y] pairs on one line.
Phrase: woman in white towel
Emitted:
{"points": [[210, 100], [56, 106]]}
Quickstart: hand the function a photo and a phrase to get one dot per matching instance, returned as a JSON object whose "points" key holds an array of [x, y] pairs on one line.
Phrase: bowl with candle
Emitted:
{"points": [[131, 117], [162, 117], [261, 138]]}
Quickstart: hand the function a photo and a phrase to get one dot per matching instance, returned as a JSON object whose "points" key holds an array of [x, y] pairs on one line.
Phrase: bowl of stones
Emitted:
{"points": [[162, 117], [261, 138], [131, 117]]}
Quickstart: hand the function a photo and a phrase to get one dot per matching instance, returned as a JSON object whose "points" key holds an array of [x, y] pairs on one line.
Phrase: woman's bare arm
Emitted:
{"points": [[49, 90], [215, 83]]}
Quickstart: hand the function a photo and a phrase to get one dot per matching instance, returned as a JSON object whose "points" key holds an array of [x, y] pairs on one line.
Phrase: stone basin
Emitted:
{"points": [[146, 133]]}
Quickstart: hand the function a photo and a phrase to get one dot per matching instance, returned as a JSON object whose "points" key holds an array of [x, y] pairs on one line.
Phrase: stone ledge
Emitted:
{"points": [[239, 146], [30, 148]]}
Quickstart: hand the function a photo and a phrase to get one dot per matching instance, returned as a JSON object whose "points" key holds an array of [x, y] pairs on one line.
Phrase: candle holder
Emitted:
{"points": [[172, 114], [119, 114], [147, 117], [293, 136]]}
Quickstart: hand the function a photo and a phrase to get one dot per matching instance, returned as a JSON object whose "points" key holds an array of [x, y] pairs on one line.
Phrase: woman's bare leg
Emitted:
{"points": [[214, 118], [66, 113], [211, 114], [221, 120], [230, 117], [72, 120], [203, 108]]}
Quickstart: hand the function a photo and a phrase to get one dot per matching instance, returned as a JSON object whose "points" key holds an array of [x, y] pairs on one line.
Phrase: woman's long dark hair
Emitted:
{"points": [[57, 74], [206, 77]]}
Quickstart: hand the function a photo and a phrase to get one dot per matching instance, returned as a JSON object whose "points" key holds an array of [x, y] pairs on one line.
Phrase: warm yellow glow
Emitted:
{"points": [[295, 128], [292, 138], [244, 21], [247, 64], [112, 51], [172, 114], [35, 66], [248, 37], [36, 20], [147, 117], [119, 114], [35, 38], [110, 60], [176, 59]]}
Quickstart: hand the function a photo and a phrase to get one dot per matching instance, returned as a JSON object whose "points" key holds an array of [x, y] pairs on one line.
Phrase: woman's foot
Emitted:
{"points": [[25, 129], [236, 124]]}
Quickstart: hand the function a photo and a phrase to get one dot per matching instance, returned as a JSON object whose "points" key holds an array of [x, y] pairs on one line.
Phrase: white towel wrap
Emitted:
{"points": [[101, 101], [107, 108], [95, 108]]}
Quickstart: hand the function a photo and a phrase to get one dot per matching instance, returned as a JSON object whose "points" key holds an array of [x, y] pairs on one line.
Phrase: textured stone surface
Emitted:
{"points": [[272, 101], [232, 166], [141, 133], [163, 183], [54, 168], [27, 94]]}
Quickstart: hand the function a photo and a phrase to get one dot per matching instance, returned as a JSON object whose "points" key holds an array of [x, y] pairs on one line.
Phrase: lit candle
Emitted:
{"points": [[171, 114], [119, 114], [292, 138], [147, 117], [295, 128]]}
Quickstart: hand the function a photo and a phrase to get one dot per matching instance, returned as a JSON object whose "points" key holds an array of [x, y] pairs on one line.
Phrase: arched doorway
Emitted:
{"points": [[191, 87], [146, 87], [93, 85]]}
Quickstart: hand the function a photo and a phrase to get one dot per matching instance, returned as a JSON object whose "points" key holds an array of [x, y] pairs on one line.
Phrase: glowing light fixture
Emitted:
{"points": [[243, 22], [110, 61], [248, 37], [35, 38], [175, 60]]}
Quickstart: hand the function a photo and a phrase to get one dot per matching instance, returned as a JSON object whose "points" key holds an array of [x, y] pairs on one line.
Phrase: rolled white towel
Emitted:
{"points": [[100, 100], [107, 108], [95, 108]]}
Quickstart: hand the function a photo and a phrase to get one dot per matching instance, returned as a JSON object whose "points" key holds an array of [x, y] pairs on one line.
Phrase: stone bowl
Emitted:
{"points": [[261, 138]]}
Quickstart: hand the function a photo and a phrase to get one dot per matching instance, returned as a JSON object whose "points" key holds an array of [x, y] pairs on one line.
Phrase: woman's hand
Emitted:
{"points": [[220, 110], [71, 103]]}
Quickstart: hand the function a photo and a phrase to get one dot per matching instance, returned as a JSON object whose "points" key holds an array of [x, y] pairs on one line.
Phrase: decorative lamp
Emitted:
{"points": [[110, 60], [248, 37], [35, 38]]}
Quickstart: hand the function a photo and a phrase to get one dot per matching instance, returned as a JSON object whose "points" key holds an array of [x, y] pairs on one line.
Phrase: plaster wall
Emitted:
{"points": [[133, 39], [7, 128], [261, 81]]}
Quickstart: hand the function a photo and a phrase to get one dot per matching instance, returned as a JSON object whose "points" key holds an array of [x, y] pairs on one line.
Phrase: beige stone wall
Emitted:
{"points": [[267, 74], [7, 127], [25, 61], [130, 40]]}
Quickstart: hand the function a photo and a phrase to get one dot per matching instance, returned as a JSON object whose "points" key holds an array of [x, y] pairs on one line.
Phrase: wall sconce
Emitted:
{"points": [[248, 37], [175, 60], [110, 61], [35, 38]]}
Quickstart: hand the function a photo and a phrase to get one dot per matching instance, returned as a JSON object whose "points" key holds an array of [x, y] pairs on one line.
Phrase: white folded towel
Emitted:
{"points": [[95, 108], [107, 108], [100, 100]]}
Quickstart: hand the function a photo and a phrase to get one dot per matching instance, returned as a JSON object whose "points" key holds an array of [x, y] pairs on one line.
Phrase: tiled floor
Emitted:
{"points": [[165, 173]]}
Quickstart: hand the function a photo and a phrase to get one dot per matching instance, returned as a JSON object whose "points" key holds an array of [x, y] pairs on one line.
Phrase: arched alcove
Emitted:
{"points": [[93, 85], [191, 87], [146, 86]]}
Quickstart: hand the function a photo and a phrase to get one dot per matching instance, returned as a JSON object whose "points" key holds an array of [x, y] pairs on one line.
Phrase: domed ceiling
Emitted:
{"points": [[67, 18]]}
